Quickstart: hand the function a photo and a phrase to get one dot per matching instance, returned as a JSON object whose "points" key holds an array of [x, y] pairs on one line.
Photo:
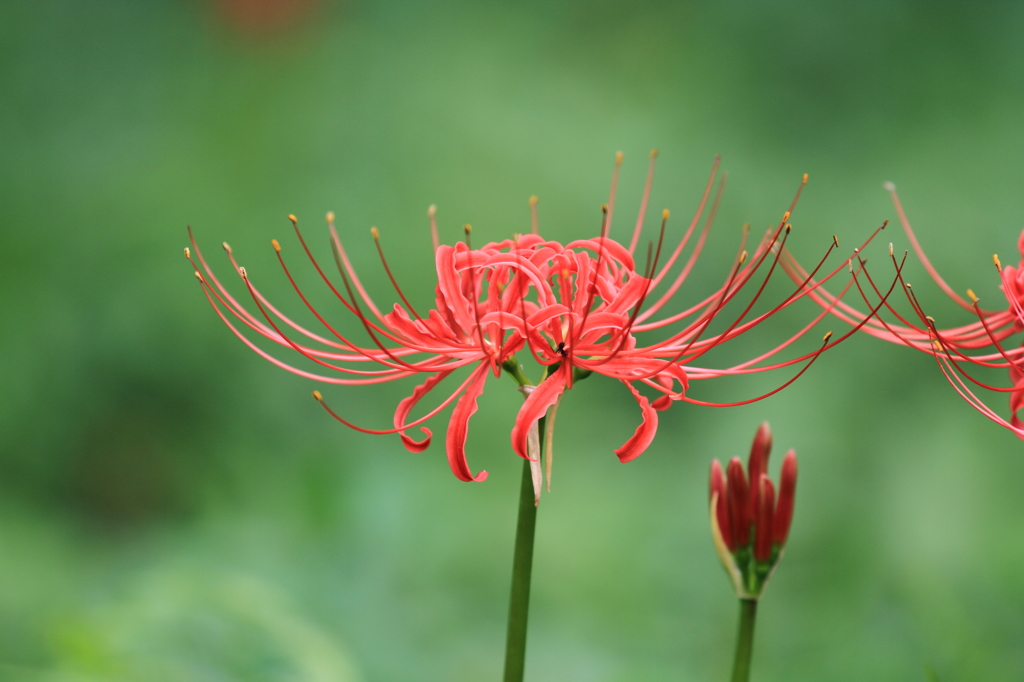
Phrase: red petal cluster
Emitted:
{"points": [[747, 510]]}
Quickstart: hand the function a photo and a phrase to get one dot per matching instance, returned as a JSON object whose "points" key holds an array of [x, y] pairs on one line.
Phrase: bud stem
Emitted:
{"points": [[744, 641]]}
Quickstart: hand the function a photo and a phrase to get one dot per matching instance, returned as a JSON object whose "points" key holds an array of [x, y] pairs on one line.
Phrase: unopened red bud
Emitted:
{"points": [[787, 494], [739, 503], [759, 451], [721, 510], [763, 519]]}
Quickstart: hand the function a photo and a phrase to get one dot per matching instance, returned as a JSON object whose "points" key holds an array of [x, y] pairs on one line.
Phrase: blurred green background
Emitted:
{"points": [[172, 507]]}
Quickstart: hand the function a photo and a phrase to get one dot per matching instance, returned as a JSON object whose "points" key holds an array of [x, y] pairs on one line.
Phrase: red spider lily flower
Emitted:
{"points": [[980, 343], [598, 311], [749, 522], [577, 308]]}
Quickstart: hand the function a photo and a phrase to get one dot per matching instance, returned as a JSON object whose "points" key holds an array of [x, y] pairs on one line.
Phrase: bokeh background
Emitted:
{"points": [[172, 507]]}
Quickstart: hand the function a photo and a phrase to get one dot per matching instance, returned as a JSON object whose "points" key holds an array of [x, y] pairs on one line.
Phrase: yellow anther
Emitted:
{"points": [[277, 247], [970, 295], [654, 153], [243, 273], [828, 335], [995, 259], [789, 227], [890, 249], [931, 320], [375, 232], [188, 254], [805, 178], [835, 240], [199, 276], [330, 216], [664, 214], [618, 158], [743, 257], [468, 229], [292, 218], [431, 211], [319, 398], [533, 200], [226, 246], [785, 216]]}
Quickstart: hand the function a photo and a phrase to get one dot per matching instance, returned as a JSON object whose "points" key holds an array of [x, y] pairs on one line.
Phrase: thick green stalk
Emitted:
{"points": [[744, 641], [522, 568]]}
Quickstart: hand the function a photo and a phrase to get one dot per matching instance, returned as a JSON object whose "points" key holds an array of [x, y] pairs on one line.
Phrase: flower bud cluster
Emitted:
{"points": [[749, 519]]}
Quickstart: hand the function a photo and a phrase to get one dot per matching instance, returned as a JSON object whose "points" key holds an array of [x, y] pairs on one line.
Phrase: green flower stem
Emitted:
{"points": [[522, 568], [744, 641]]}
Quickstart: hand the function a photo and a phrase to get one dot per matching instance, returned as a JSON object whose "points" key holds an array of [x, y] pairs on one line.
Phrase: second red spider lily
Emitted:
{"points": [[957, 350], [577, 308], [749, 520]]}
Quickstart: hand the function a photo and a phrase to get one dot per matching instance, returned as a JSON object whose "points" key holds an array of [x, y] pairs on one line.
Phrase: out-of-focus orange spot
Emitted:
{"points": [[264, 16]]}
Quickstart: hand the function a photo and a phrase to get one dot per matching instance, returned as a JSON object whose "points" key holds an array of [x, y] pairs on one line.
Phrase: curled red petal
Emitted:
{"points": [[458, 428], [536, 406], [404, 407], [644, 434]]}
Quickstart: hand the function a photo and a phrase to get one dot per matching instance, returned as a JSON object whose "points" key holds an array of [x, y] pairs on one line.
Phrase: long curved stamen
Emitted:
{"points": [[643, 203], [376, 240], [354, 309], [432, 215], [959, 368], [209, 293], [402, 427], [240, 313], [625, 333], [612, 192], [301, 349], [708, 222], [338, 261], [778, 251], [891, 189], [705, 321], [280, 258], [811, 357], [825, 311], [961, 340], [796, 294], [815, 356], [350, 270]]}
